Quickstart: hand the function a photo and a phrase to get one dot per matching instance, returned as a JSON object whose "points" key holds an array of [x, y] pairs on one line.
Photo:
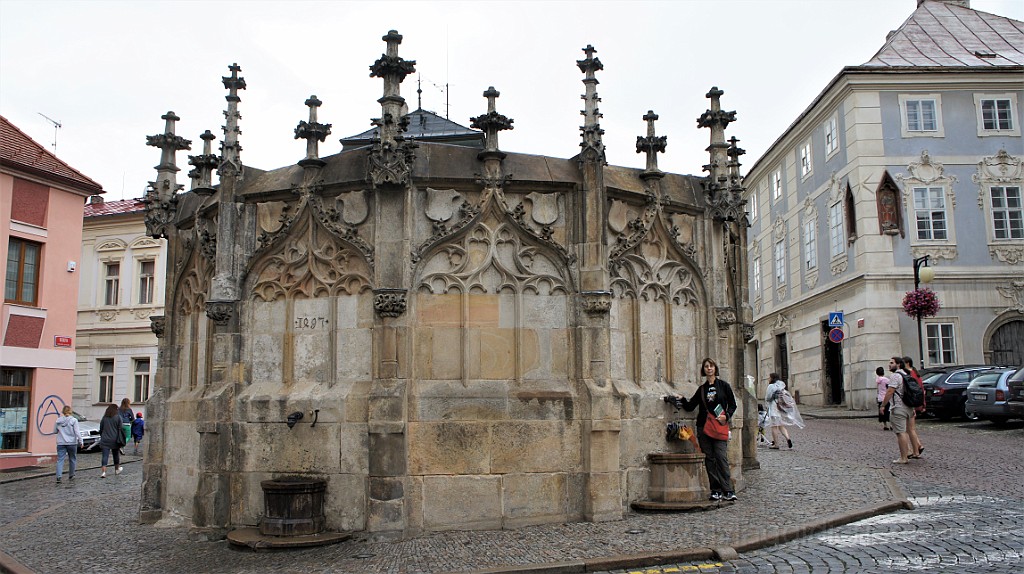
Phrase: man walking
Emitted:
{"points": [[899, 413]]}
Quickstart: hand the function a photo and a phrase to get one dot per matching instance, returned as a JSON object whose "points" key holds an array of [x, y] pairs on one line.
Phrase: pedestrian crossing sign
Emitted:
{"points": [[835, 319]]}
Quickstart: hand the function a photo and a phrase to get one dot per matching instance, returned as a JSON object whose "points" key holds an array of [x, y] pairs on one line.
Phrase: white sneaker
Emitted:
{"points": [[103, 474], [118, 470]]}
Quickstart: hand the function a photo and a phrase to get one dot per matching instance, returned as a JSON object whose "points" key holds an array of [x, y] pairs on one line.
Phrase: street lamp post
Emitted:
{"points": [[922, 273]]}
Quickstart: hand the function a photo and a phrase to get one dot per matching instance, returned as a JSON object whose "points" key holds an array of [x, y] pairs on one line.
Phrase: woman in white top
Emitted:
{"points": [[782, 411], [68, 442]]}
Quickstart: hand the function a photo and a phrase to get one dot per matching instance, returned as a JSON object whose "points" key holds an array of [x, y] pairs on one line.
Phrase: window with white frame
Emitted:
{"points": [[106, 381], [831, 135], [805, 159], [111, 283], [780, 262], [930, 213], [810, 245], [776, 184], [836, 233], [997, 114], [141, 380], [1007, 212], [757, 277], [921, 115], [941, 341], [146, 281], [752, 205]]}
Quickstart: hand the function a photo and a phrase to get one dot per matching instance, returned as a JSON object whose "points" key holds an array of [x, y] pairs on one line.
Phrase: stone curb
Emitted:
{"points": [[624, 562], [843, 416], [10, 565], [51, 472]]}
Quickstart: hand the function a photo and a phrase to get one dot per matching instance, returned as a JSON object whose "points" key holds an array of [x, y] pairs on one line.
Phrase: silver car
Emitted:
{"points": [[88, 430], [986, 396]]}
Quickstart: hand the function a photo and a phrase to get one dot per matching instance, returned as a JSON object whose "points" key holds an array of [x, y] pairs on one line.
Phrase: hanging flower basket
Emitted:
{"points": [[921, 302]]}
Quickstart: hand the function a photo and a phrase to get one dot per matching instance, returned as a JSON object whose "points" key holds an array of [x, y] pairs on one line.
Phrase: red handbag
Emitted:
{"points": [[713, 428]]}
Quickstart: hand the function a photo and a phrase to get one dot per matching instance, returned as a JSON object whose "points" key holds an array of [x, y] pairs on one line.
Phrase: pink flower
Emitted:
{"points": [[921, 302]]}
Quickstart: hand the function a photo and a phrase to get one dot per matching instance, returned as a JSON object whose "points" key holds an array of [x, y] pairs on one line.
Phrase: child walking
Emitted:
{"points": [[138, 430]]}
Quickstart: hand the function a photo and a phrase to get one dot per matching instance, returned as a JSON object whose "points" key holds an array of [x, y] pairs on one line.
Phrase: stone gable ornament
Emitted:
{"points": [[441, 204]]}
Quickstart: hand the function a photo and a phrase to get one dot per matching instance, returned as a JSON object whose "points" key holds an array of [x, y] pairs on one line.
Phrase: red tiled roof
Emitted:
{"points": [[19, 150], [118, 207]]}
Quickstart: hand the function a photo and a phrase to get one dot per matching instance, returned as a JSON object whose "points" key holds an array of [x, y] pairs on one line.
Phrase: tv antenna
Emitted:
{"points": [[56, 126]]}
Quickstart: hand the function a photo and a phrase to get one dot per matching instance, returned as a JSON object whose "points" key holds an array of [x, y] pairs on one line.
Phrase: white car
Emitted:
{"points": [[88, 430]]}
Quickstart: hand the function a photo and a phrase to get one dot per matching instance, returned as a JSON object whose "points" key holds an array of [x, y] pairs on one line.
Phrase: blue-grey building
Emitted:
{"points": [[911, 160]]}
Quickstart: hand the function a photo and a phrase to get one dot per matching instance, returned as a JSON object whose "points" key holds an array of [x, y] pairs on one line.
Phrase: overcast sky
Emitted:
{"points": [[107, 71]]}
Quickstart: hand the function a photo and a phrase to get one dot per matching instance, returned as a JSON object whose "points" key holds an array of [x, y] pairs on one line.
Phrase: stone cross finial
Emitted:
{"points": [[652, 144], [593, 147], [492, 122], [234, 83], [734, 153], [231, 162], [313, 132], [204, 164], [717, 120], [160, 198], [391, 156]]}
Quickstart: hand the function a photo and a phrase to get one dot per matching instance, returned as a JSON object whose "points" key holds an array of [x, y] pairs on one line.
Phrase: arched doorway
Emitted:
{"points": [[1006, 347]]}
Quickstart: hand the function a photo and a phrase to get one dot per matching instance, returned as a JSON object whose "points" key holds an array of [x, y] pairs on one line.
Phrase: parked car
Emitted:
{"points": [[88, 430], [986, 396], [1015, 393], [945, 389]]}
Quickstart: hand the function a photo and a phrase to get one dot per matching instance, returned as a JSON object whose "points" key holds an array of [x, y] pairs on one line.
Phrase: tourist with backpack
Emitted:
{"points": [[913, 397], [782, 411], [899, 413]]}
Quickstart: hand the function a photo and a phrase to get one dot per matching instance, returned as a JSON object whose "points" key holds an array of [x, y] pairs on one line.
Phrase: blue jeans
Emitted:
{"points": [[69, 451], [106, 455]]}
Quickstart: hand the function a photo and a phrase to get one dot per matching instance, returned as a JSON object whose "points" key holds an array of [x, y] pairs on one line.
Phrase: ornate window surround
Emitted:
{"points": [[1001, 169], [809, 243], [929, 173]]}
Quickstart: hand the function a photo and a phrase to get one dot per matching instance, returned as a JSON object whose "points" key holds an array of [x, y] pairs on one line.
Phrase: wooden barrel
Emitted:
{"points": [[294, 506]]}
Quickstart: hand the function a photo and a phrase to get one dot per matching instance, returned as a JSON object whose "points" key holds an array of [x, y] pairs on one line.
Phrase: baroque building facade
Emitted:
{"points": [[473, 338], [122, 285], [911, 159]]}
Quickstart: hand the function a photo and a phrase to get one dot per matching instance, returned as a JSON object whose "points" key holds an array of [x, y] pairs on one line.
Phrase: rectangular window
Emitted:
{"points": [[941, 344], [141, 380], [921, 116], [930, 213], [757, 277], [776, 184], [831, 135], [146, 281], [805, 159], [1007, 212], [997, 114], [22, 283], [112, 283], [753, 206], [810, 245], [836, 233], [15, 394], [106, 390], [780, 263]]}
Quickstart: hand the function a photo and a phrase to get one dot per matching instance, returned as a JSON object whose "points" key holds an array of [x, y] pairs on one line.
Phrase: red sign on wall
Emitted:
{"points": [[61, 341]]}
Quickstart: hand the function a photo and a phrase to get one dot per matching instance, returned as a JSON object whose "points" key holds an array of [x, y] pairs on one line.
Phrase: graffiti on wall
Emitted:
{"points": [[47, 413]]}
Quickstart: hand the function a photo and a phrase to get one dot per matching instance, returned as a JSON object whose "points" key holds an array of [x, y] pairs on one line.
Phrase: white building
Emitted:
{"points": [[917, 152], [122, 285]]}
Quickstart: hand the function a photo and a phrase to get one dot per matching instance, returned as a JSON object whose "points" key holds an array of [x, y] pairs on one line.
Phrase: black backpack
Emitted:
{"points": [[913, 394]]}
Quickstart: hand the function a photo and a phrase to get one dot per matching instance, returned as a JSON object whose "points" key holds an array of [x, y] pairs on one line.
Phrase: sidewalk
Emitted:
{"points": [[794, 494], [835, 412], [86, 461]]}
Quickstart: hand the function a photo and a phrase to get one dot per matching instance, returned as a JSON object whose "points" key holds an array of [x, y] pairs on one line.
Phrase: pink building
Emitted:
{"points": [[41, 200]]}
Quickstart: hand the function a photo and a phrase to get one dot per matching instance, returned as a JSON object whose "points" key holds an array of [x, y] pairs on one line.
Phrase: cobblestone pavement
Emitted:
{"points": [[968, 497], [968, 516]]}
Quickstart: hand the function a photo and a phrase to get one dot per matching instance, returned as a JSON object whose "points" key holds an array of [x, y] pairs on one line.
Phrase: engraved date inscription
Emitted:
{"points": [[311, 322]]}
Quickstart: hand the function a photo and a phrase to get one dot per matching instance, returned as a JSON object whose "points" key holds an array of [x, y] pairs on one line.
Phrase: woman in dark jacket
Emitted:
{"points": [[111, 439], [714, 395]]}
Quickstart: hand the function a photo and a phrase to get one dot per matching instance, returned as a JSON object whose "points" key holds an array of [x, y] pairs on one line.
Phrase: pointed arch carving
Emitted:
{"points": [[655, 269], [311, 255]]}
